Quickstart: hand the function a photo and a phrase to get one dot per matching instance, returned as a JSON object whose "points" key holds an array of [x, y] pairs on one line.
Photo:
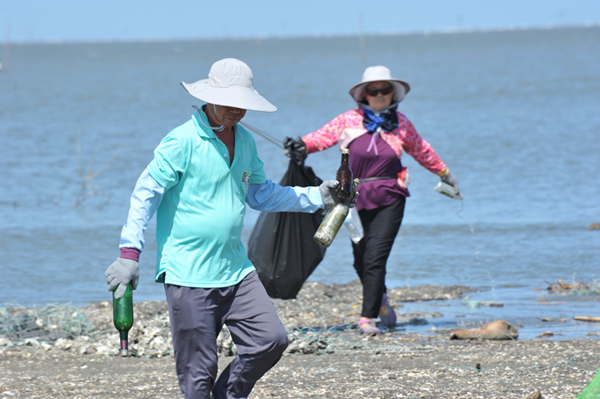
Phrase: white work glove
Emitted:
{"points": [[120, 273], [328, 193], [451, 180]]}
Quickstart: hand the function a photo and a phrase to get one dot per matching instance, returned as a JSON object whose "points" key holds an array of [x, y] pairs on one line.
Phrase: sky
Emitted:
{"points": [[133, 20]]}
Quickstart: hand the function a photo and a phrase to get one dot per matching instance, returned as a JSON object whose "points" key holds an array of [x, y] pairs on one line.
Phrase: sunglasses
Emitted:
{"points": [[384, 90]]}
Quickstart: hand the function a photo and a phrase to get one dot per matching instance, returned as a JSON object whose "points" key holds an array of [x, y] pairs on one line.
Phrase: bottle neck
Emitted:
{"points": [[344, 159], [123, 335]]}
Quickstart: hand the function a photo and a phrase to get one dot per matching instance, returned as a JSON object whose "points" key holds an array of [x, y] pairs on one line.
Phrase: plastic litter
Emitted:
{"points": [[448, 191], [354, 226]]}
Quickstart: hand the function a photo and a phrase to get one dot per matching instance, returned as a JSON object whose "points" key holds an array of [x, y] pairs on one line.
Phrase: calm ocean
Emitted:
{"points": [[515, 115]]}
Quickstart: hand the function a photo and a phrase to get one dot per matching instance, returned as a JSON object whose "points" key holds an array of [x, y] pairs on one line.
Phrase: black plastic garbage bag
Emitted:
{"points": [[281, 245]]}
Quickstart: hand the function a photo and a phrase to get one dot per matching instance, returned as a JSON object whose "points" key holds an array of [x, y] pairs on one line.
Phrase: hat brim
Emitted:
{"points": [[401, 89], [232, 96]]}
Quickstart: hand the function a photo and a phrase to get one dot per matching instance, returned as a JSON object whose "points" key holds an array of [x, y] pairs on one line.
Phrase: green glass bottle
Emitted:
{"points": [[123, 317]]}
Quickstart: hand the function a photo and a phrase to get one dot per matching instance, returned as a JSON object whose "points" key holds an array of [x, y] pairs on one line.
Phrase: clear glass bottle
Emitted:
{"points": [[331, 224], [123, 317]]}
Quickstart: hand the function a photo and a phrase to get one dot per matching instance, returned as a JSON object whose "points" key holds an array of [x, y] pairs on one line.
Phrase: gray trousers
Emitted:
{"points": [[197, 316]]}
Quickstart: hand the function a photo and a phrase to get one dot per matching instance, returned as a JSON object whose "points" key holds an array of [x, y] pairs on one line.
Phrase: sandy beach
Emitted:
{"points": [[327, 357]]}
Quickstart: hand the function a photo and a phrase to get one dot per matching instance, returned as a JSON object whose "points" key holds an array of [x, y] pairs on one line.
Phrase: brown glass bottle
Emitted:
{"points": [[344, 177]]}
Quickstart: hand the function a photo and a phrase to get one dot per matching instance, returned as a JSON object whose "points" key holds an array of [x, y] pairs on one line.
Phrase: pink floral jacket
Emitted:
{"points": [[349, 125]]}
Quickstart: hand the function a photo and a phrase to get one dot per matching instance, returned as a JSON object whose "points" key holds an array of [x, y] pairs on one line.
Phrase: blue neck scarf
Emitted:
{"points": [[386, 119]]}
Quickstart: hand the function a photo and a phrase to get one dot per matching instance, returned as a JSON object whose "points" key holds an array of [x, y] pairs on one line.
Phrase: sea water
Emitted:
{"points": [[514, 114]]}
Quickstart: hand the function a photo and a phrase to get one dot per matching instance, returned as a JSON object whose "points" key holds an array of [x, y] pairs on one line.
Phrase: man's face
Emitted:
{"points": [[228, 116]]}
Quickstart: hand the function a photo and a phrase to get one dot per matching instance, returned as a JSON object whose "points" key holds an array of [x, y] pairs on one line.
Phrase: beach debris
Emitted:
{"points": [[473, 304], [427, 292], [48, 323], [535, 395], [495, 330], [493, 304], [587, 318], [559, 285], [578, 288], [551, 320], [546, 334], [412, 321], [316, 322]]}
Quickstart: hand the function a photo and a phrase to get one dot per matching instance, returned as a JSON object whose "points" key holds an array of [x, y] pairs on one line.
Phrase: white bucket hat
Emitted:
{"points": [[375, 74], [229, 84]]}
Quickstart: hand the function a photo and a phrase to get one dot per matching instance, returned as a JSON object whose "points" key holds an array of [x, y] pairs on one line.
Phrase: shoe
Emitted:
{"points": [[367, 326], [386, 313]]}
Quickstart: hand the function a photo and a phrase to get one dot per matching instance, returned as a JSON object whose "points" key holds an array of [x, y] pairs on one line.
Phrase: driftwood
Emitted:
{"points": [[587, 318], [562, 286], [495, 330]]}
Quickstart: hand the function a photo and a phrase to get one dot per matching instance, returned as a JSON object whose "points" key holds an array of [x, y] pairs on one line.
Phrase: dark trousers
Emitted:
{"points": [[381, 226], [197, 316]]}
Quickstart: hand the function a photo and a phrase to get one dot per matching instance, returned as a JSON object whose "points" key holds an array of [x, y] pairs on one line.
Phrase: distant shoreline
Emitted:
{"points": [[426, 33]]}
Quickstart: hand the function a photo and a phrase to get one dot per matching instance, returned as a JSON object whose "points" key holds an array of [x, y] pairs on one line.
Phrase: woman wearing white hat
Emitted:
{"points": [[376, 135], [202, 175]]}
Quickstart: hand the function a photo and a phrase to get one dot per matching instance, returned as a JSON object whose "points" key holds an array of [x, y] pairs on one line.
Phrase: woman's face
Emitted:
{"points": [[379, 95]]}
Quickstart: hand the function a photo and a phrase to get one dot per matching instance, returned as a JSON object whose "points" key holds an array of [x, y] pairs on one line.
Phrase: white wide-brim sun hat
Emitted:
{"points": [[376, 74], [229, 84]]}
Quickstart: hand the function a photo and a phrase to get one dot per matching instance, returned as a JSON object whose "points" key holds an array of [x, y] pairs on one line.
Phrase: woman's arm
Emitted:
{"points": [[328, 135], [421, 150]]}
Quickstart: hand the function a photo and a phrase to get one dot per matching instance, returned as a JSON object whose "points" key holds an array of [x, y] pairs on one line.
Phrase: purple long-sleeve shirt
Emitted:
{"points": [[380, 163]]}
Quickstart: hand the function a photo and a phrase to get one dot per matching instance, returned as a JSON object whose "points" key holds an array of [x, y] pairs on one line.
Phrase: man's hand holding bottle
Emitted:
{"points": [[329, 193]]}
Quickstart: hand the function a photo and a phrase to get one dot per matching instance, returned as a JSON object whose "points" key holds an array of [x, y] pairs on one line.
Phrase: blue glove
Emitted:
{"points": [[120, 273]]}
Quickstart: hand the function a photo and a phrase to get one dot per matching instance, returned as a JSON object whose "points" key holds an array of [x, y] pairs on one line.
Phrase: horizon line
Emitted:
{"points": [[424, 32]]}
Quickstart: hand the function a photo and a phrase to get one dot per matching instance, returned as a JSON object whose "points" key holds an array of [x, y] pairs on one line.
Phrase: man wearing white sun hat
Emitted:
{"points": [[202, 175]]}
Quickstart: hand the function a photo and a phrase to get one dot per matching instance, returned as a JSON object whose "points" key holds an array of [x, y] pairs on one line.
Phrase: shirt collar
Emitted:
{"points": [[201, 121]]}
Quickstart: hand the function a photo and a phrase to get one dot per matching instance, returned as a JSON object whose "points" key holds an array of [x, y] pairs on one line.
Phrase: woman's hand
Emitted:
{"points": [[449, 178]]}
